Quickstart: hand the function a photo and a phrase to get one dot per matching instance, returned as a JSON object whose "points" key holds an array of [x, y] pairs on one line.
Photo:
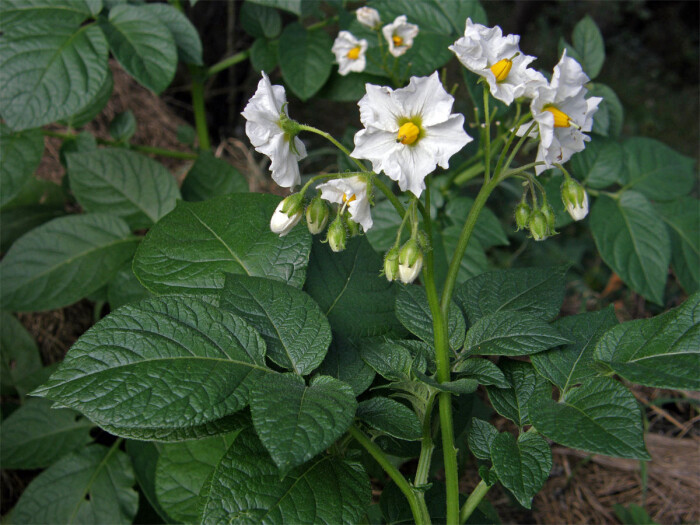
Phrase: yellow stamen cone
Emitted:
{"points": [[408, 133], [349, 199], [501, 69], [354, 53], [398, 41], [561, 119]]}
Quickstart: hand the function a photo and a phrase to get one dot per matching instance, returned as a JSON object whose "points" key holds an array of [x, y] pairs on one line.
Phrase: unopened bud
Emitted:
{"points": [[337, 235], [317, 215], [410, 261], [550, 217], [522, 216], [352, 227], [287, 214], [368, 17], [391, 264], [538, 225], [575, 198]]}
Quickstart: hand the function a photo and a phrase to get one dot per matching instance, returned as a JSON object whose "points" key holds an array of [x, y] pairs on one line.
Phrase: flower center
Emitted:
{"points": [[408, 133], [501, 69], [398, 41], [561, 119], [348, 198], [354, 53]]}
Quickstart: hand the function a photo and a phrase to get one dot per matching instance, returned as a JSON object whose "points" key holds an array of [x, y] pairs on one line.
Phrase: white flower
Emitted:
{"points": [[281, 222], [408, 132], [264, 113], [368, 17], [410, 261], [578, 211], [400, 34], [562, 113], [352, 192], [349, 53], [486, 52]]}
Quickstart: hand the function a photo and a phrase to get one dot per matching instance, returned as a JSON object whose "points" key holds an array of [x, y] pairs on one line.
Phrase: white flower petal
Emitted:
{"points": [[379, 109], [402, 29], [368, 17], [425, 96], [354, 189], [375, 145], [344, 43], [445, 139]]}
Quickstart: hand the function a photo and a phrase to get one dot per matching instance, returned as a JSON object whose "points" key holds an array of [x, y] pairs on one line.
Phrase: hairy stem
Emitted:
{"points": [[473, 501]]}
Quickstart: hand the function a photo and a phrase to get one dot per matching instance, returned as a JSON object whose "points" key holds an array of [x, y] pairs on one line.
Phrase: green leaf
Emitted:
{"points": [[295, 331], [351, 88], [50, 72], [93, 485], [296, 422], [125, 288], [429, 52], [483, 370], [305, 59], [427, 15], [211, 177], [480, 437], [18, 221], [20, 155], [633, 515], [388, 358], [122, 183], [263, 54], [413, 311], [123, 126], [189, 46], [474, 261], [165, 369], [35, 435], [142, 44], [610, 117], [343, 362], [523, 465], [589, 43], [601, 416], [144, 457], [19, 356], [656, 170], [260, 21], [568, 366], [661, 352], [487, 230], [246, 487], [293, 6], [457, 12], [526, 384], [536, 291], [682, 218], [182, 471], [601, 164], [633, 241], [191, 249], [18, 13], [391, 417], [458, 386], [511, 333], [94, 107], [570, 50], [64, 260], [349, 290]]}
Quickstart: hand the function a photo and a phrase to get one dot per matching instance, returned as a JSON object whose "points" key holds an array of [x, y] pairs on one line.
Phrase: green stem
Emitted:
{"points": [[473, 501], [487, 136], [427, 446], [228, 62], [200, 117], [389, 195], [519, 145], [420, 513], [322, 23], [511, 137]]}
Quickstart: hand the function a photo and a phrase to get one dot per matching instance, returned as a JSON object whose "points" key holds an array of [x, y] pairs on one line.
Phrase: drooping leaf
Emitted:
{"points": [[189, 46], [633, 241], [246, 487], [483, 370], [601, 416], [20, 154], [144, 457], [526, 384], [211, 177], [481, 435], [93, 485], [343, 362], [167, 369], [568, 366], [191, 249], [50, 71], [589, 44], [122, 183], [305, 59], [662, 352], [682, 217], [523, 465], [64, 260], [391, 417], [296, 422], [35, 435], [601, 164], [19, 356]]}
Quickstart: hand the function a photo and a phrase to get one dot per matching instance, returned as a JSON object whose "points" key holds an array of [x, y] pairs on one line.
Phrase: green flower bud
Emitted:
{"points": [[391, 264], [550, 217], [522, 215], [410, 261], [353, 228], [337, 236], [538, 225], [317, 215], [575, 198], [287, 214]]}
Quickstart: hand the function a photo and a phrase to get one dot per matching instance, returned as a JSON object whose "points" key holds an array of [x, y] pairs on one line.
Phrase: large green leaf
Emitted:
{"points": [[19, 356], [20, 154], [511, 333], [536, 291], [191, 248], [662, 352], [568, 366], [189, 46], [481, 435], [22, 219], [246, 488], [427, 15], [167, 369], [64, 260], [260, 21], [182, 471], [142, 44], [343, 362], [295, 331], [388, 358], [263, 55], [391, 417], [589, 43], [50, 71], [17, 13], [429, 52], [211, 177], [525, 383], [413, 310], [487, 230], [35, 435], [125, 288], [296, 422], [601, 416], [305, 59], [523, 465], [94, 107], [457, 12], [601, 164], [483, 370], [610, 117], [633, 241], [656, 170], [93, 485], [474, 261], [349, 290], [682, 217], [122, 183], [144, 457]]}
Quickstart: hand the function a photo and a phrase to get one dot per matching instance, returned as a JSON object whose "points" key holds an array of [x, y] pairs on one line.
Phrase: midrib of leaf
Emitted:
{"points": [[23, 9], [57, 432], [228, 249], [521, 294], [279, 335], [596, 424], [347, 283], [634, 242], [92, 479], [681, 234], [578, 358]]}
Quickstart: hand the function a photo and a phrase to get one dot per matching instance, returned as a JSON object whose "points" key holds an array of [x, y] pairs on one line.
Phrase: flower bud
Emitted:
{"points": [[316, 215], [550, 217], [352, 227], [410, 261], [391, 264], [538, 225], [337, 236], [368, 17], [522, 215], [287, 214], [575, 198]]}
